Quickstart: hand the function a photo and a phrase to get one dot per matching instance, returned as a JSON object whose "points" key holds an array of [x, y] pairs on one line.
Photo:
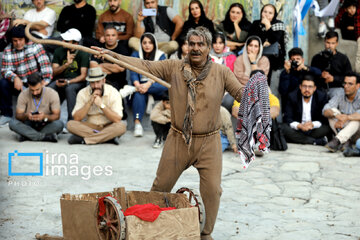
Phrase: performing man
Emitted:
{"points": [[197, 90]]}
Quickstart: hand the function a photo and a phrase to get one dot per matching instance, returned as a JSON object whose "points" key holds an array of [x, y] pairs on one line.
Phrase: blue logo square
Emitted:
{"points": [[11, 157]]}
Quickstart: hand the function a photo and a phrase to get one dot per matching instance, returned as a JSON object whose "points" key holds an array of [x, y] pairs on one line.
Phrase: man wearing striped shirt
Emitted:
{"points": [[343, 112], [20, 59]]}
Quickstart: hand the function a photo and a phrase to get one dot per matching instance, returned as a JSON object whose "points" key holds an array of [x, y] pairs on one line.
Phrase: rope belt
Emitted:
{"points": [[196, 135]]}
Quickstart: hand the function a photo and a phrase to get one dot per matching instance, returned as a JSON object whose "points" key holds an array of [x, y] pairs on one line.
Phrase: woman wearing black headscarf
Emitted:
{"points": [[197, 18], [235, 26]]}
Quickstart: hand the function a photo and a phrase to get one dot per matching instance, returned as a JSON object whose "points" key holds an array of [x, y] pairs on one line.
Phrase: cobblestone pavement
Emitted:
{"points": [[303, 193]]}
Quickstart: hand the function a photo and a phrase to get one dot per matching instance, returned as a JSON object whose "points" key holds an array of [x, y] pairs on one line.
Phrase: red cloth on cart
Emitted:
{"points": [[147, 212]]}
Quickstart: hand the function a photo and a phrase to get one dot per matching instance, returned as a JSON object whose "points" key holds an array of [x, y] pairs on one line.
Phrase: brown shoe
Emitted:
{"points": [[334, 145]]}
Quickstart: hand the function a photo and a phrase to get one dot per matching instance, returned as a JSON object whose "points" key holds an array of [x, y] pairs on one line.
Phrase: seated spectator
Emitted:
{"points": [[197, 18], [42, 14], [37, 112], [250, 60], [117, 17], [5, 23], [273, 35], [347, 21], [294, 72], [220, 53], [166, 26], [81, 16], [343, 11], [332, 64], [116, 75], [343, 112], [160, 120], [353, 152], [235, 26], [101, 105], [70, 67], [144, 86], [303, 119], [183, 49], [227, 131], [20, 59]]}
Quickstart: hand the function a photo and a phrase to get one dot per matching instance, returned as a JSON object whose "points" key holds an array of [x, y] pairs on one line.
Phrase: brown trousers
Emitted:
{"points": [[104, 134], [206, 156]]}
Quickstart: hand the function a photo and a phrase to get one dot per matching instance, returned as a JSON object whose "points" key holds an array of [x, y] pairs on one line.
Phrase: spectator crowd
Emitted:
{"points": [[316, 103]]}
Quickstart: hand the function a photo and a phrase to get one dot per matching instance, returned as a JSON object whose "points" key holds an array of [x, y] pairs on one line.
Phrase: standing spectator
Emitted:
{"points": [[303, 119], [79, 15], [166, 26], [197, 18], [101, 105], [117, 17], [272, 33], [20, 59], [70, 68], [160, 120], [235, 26], [332, 64], [294, 72], [347, 20], [183, 49], [144, 86], [37, 112], [343, 112], [42, 14]]}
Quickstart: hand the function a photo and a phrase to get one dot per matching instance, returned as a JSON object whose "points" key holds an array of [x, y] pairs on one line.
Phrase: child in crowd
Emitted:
{"points": [[347, 21], [160, 120], [227, 131]]}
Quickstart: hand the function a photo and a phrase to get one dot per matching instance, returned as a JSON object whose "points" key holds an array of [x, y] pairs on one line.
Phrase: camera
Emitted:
{"points": [[327, 55], [294, 65]]}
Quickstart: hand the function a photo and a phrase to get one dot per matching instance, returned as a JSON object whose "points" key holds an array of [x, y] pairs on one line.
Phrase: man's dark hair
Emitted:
{"points": [[353, 74], [308, 77], [296, 51], [332, 34], [16, 32], [34, 79], [109, 26]]}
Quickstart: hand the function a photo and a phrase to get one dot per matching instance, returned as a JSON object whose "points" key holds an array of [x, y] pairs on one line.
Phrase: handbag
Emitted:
{"points": [[277, 138], [272, 50]]}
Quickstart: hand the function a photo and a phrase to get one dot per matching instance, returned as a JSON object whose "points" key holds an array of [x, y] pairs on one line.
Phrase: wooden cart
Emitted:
{"points": [[81, 219]]}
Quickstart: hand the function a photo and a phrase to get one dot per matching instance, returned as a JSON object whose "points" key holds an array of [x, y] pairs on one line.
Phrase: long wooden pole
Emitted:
{"points": [[91, 51]]}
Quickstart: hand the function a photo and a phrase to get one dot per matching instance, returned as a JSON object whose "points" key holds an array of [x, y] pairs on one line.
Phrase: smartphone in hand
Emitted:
{"points": [[149, 12], [35, 113]]}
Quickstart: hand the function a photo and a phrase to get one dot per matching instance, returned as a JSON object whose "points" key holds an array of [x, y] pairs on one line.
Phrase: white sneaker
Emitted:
{"points": [[158, 143], [138, 130], [331, 23], [4, 121], [127, 90], [322, 30]]}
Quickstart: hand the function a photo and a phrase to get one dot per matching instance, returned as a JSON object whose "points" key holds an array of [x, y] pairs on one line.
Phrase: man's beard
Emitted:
{"points": [[307, 97], [77, 1], [100, 89], [114, 10], [38, 95]]}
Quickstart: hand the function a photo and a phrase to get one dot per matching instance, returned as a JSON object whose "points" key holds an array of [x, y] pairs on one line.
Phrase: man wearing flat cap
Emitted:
{"points": [[101, 105], [20, 59], [70, 68]]}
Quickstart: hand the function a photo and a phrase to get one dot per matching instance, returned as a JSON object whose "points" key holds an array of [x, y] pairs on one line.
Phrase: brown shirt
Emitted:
{"points": [[50, 101], [209, 92], [123, 22]]}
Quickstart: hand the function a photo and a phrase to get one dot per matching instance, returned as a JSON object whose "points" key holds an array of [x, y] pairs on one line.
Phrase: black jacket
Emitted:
{"points": [[162, 20], [294, 110]]}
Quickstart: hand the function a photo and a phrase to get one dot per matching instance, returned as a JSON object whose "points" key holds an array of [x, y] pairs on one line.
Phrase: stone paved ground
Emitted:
{"points": [[303, 193]]}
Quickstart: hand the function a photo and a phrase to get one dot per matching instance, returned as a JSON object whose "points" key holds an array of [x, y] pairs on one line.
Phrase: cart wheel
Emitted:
{"points": [[111, 226], [196, 201]]}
